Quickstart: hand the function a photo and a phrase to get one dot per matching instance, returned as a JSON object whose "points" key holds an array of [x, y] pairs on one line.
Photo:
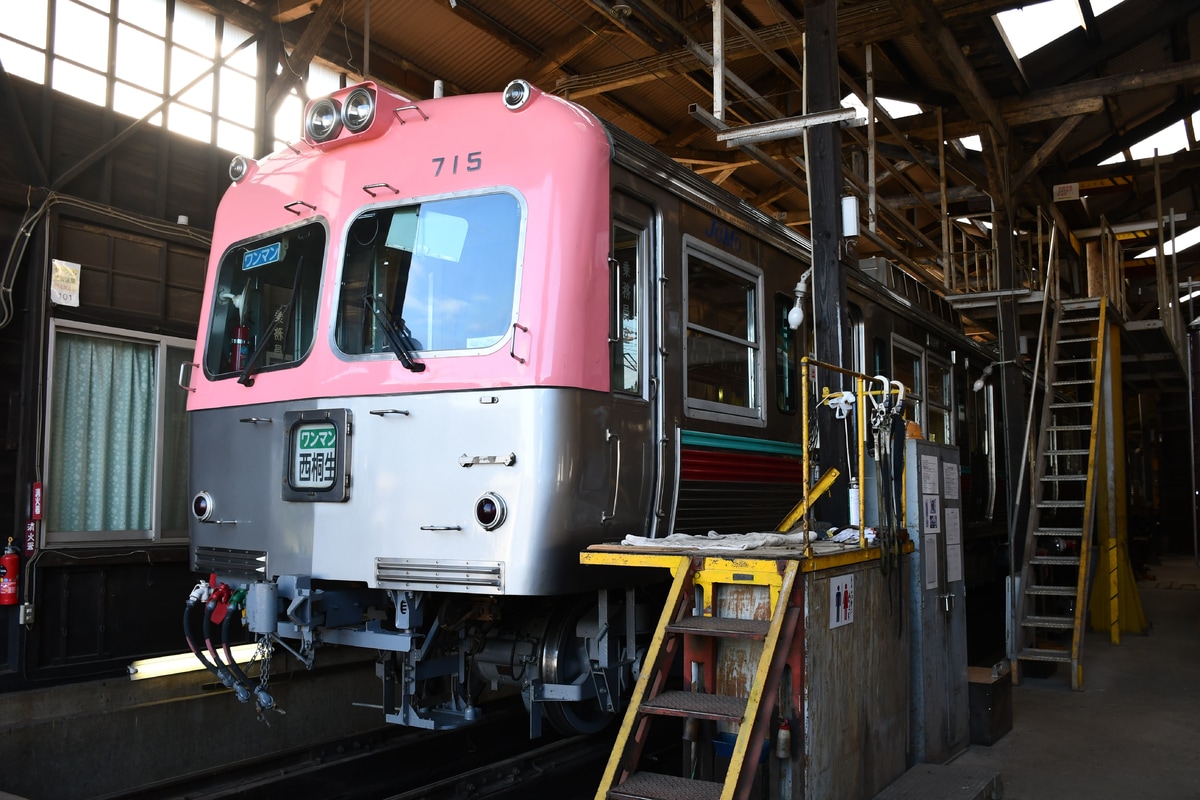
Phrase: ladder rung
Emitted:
{"points": [[1077, 320], [1051, 591], [722, 626], [1087, 382], [1066, 452], [1060, 504], [1069, 428], [1061, 561], [1067, 361], [1070, 405], [1061, 623], [1058, 532], [652, 786], [1064, 477], [1078, 340], [1042, 654], [697, 705]]}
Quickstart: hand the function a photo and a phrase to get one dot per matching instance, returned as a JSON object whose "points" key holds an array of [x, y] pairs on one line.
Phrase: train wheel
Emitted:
{"points": [[565, 660]]}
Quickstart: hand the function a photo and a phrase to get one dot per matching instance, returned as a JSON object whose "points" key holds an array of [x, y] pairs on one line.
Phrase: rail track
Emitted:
{"points": [[493, 759]]}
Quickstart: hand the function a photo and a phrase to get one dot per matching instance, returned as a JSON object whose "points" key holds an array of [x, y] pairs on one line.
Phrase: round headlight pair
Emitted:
{"points": [[326, 117]]}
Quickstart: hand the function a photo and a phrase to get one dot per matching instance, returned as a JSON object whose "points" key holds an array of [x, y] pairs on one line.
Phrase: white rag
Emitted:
{"points": [[721, 541]]}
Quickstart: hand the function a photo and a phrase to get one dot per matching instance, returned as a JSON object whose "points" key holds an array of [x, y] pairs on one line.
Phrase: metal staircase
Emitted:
{"points": [[688, 625], [1065, 481]]}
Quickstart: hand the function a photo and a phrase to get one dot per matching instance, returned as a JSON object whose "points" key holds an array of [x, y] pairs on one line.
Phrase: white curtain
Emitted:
{"points": [[102, 434]]}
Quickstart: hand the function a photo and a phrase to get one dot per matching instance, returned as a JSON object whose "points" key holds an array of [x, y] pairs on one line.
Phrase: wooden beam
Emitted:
{"points": [[930, 29], [33, 168], [295, 64], [1017, 111], [291, 10], [495, 29], [1046, 150]]}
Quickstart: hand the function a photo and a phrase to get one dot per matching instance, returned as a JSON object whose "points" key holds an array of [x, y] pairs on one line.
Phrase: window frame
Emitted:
{"points": [[641, 235], [753, 414], [155, 535], [340, 275]]}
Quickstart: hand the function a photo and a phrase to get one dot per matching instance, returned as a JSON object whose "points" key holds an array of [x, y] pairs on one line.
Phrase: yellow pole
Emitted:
{"points": [[1115, 604]]}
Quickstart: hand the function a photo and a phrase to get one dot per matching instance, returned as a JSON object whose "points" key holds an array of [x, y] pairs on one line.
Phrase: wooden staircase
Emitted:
{"points": [[688, 625], [1062, 512]]}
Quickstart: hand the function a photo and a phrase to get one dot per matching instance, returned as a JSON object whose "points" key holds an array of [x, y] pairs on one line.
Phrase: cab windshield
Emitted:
{"points": [[265, 305], [442, 273]]}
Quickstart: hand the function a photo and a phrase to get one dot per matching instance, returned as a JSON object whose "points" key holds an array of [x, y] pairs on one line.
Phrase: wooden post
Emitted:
{"points": [[823, 157]]}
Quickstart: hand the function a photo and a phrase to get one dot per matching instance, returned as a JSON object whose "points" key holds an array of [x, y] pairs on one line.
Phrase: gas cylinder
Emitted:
{"points": [[10, 571], [241, 347]]}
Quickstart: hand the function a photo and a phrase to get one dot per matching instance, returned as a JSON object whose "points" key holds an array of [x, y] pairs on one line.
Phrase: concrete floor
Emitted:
{"points": [[1134, 731]]}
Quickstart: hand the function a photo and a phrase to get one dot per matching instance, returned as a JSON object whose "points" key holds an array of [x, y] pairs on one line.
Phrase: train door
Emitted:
{"points": [[635, 420]]}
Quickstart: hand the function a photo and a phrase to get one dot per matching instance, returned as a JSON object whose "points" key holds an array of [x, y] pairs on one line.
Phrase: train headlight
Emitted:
{"points": [[359, 109], [203, 506], [323, 120], [517, 94], [239, 168], [490, 511]]}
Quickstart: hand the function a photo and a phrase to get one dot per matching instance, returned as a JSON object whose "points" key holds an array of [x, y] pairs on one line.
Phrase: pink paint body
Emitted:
{"points": [[554, 154]]}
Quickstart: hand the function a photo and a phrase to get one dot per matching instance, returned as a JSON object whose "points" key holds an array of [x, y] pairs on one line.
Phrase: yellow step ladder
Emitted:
{"points": [[688, 624]]}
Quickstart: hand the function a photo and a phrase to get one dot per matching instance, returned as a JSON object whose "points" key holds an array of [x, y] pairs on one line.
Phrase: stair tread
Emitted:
{"points": [[1063, 561], [1042, 654], [677, 703], [722, 626], [1058, 532], [1065, 477], [1074, 451], [1046, 589], [653, 786], [1060, 504], [1049, 621]]}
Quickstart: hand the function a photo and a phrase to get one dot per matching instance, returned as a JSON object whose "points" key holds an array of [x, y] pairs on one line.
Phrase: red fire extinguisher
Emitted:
{"points": [[10, 571], [241, 347]]}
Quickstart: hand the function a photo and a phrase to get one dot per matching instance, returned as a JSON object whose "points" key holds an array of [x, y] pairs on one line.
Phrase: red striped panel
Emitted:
{"points": [[731, 466]]}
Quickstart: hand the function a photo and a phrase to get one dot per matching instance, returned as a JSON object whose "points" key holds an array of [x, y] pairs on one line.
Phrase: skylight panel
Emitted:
{"points": [[1033, 26], [1169, 140], [1181, 242]]}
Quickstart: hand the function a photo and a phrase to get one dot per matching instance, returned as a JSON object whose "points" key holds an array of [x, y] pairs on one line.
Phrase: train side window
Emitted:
{"points": [[906, 361], [938, 398], [787, 385], [723, 340], [626, 323], [879, 360]]}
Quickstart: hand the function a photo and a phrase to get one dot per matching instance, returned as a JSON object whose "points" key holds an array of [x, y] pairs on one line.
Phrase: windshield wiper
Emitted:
{"points": [[282, 318], [398, 335]]}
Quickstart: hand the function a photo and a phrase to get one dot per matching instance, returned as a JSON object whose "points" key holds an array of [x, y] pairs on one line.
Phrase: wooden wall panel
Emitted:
{"points": [[856, 725]]}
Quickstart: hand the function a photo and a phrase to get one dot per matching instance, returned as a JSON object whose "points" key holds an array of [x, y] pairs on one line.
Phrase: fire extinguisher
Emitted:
{"points": [[10, 571], [241, 347]]}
